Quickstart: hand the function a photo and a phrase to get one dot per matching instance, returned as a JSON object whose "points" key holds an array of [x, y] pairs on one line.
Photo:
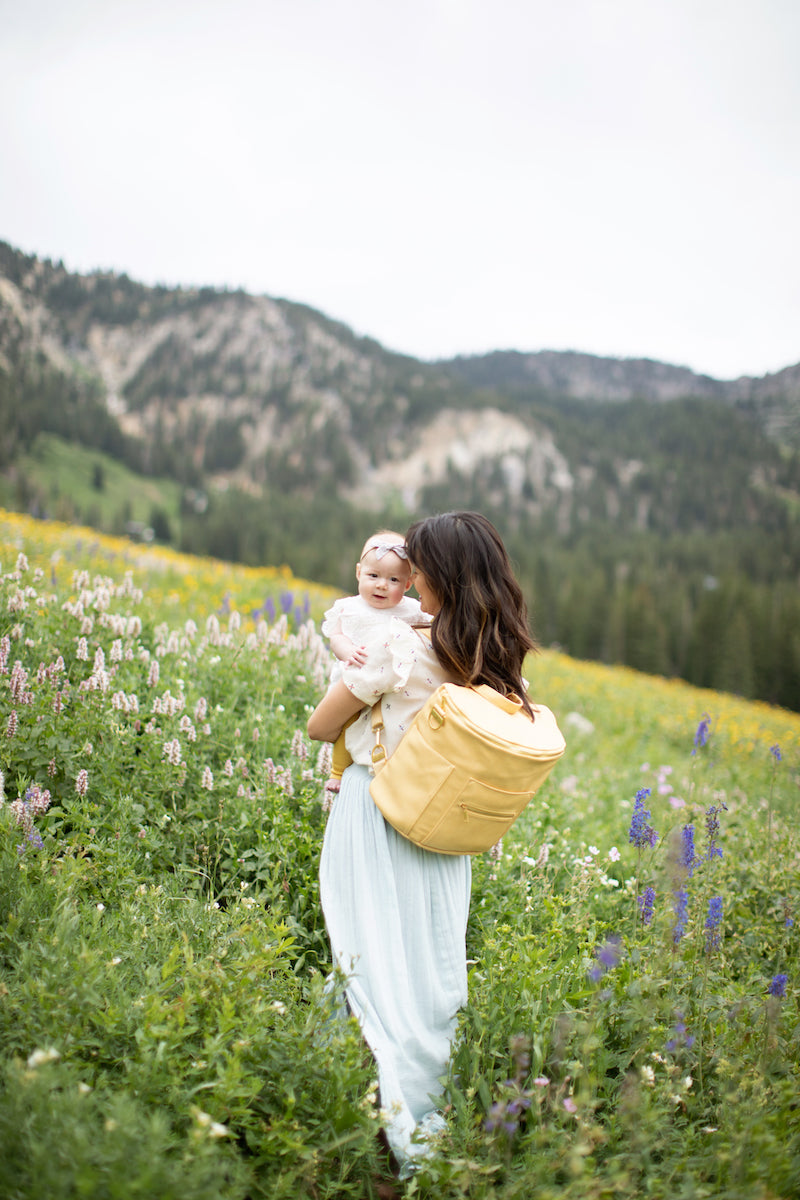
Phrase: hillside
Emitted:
{"points": [[255, 389], [653, 513], [165, 1028]]}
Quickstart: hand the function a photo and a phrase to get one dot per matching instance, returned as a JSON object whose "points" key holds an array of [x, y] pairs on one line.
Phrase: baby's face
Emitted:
{"points": [[383, 581]]}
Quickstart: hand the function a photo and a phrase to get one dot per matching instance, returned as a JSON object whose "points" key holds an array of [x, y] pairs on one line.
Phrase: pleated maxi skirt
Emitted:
{"points": [[396, 918]]}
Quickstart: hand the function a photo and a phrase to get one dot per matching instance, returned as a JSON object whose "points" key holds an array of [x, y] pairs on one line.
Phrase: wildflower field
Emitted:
{"points": [[633, 1023]]}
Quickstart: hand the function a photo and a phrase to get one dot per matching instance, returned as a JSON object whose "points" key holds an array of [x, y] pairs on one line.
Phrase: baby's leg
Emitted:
{"points": [[341, 760]]}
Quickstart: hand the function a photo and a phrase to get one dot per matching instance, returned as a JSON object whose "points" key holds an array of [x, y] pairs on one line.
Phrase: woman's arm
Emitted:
{"points": [[334, 709]]}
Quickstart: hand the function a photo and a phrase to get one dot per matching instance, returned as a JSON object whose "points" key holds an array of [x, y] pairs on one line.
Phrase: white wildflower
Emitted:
{"points": [[39, 1057], [299, 749], [172, 752]]}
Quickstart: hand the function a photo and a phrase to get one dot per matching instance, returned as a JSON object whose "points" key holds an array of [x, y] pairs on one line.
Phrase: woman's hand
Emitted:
{"points": [[336, 707]]}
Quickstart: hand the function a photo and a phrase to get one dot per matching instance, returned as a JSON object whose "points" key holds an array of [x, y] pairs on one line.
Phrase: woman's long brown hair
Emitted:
{"points": [[480, 633]]}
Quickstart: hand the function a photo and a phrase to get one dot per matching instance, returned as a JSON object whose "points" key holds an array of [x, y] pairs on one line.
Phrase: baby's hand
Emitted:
{"points": [[358, 657]]}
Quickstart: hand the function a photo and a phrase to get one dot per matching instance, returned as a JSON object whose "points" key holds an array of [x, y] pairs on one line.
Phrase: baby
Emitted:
{"points": [[384, 576]]}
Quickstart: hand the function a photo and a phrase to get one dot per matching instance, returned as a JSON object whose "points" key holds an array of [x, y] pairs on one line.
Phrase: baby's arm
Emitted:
{"points": [[347, 651]]}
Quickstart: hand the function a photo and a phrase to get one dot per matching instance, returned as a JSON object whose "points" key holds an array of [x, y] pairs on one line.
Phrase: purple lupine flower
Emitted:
{"points": [[775, 751], [687, 857], [681, 914], [702, 732], [606, 958], [32, 838], [680, 1036], [286, 602], [641, 832], [712, 829], [778, 986], [646, 905], [496, 1121], [269, 610], [713, 923]]}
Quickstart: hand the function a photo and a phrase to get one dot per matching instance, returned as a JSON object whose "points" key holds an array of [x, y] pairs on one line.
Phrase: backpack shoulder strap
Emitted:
{"points": [[378, 750], [509, 704]]}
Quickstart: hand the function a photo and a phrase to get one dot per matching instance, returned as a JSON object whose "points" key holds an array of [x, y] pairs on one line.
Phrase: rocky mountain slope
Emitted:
{"points": [[228, 389], [653, 515]]}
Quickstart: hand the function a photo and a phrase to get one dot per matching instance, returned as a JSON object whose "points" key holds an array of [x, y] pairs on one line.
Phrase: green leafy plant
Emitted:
{"points": [[165, 1024]]}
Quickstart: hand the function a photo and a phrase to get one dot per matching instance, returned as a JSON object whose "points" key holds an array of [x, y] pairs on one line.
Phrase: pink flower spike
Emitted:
{"points": [[570, 1105], [541, 1081]]}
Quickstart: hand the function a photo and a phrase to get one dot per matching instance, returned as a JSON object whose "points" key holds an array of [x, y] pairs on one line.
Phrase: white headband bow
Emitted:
{"points": [[382, 548]]}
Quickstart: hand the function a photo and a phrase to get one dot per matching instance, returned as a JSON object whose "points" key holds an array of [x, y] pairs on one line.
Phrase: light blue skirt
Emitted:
{"points": [[396, 918]]}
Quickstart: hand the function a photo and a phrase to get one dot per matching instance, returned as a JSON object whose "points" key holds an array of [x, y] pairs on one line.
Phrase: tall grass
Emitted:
{"points": [[632, 1023]]}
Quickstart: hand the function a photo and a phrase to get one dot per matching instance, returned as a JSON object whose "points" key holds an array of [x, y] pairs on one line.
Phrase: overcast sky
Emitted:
{"points": [[620, 177]]}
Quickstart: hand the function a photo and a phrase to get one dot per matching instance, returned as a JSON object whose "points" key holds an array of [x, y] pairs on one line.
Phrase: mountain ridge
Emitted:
{"points": [[255, 387], [653, 515], [589, 376]]}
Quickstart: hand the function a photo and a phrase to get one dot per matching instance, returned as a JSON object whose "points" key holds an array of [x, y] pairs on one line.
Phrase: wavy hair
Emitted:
{"points": [[480, 633]]}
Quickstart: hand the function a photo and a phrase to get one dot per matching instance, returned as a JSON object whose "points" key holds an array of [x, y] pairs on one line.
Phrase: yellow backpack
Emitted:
{"points": [[465, 769]]}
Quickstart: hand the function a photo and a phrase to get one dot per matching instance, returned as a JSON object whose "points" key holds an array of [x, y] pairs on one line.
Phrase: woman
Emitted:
{"points": [[396, 915]]}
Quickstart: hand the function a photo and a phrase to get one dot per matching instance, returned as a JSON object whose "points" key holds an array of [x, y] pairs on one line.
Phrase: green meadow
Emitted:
{"points": [[632, 1025], [74, 482]]}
